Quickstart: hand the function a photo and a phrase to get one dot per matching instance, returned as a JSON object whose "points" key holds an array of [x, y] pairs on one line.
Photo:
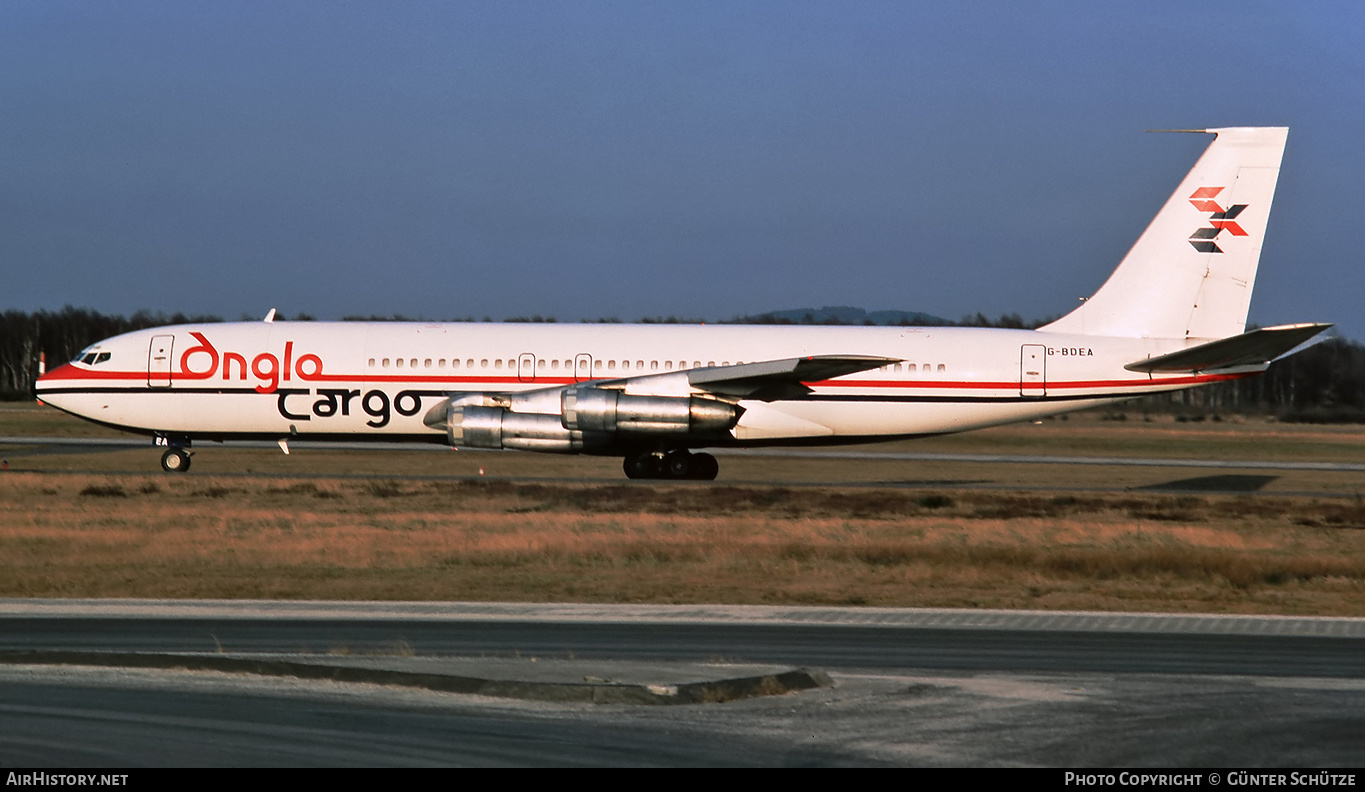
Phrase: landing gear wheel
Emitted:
{"points": [[175, 460], [641, 466], [705, 467], [679, 465]]}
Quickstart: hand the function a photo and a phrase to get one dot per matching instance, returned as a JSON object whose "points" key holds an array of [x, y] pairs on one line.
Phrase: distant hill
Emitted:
{"points": [[844, 315]]}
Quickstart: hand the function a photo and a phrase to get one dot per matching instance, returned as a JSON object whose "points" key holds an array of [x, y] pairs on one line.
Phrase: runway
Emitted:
{"points": [[795, 467], [912, 687]]}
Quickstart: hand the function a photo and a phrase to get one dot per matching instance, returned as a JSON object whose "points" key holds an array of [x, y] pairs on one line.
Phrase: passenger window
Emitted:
{"points": [[611, 365], [386, 363], [455, 363], [554, 365], [426, 363], [497, 364], [414, 362], [910, 367], [942, 367], [483, 363], [668, 365], [399, 362], [653, 365]]}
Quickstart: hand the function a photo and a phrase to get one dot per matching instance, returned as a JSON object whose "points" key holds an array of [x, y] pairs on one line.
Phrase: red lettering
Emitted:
{"points": [[228, 359], [268, 368], [270, 378], [317, 367], [204, 348]]}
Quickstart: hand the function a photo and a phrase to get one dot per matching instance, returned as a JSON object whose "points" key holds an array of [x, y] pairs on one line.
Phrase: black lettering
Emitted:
{"points": [[381, 412], [346, 401], [416, 397], [286, 392], [325, 407]]}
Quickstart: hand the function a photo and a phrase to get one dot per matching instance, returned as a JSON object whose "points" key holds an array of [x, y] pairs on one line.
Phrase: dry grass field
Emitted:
{"points": [[353, 525]]}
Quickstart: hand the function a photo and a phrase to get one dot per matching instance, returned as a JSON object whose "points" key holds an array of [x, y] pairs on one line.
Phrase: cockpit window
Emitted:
{"points": [[93, 358], [103, 357], [88, 359]]}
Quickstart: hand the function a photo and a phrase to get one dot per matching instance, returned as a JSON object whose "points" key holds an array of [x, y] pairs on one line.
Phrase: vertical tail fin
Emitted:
{"points": [[1191, 272]]}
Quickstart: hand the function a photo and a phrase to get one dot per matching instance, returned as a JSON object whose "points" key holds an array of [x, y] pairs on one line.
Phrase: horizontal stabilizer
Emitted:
{"points": [[1256, 348]]}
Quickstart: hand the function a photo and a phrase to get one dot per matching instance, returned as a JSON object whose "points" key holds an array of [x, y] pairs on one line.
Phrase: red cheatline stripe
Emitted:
{"points": [[1139, 382]]}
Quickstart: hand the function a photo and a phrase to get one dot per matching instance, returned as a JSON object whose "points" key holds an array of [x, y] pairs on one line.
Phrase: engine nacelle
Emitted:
{"points": [[495, 427], [613, 412], [590, 418]]}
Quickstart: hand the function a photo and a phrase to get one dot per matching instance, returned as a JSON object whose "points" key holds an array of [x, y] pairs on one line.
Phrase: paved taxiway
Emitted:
{"points": [[911, 687]]}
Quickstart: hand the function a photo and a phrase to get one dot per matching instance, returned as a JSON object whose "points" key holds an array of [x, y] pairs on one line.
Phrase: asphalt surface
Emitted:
{"points": [[911, 687]]}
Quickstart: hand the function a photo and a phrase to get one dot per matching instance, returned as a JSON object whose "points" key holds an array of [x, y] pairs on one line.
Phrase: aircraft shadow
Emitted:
{"points": [[1225, 483]]}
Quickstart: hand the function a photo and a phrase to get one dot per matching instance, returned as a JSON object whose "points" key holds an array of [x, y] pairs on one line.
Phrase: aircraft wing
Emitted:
{"points": [[773, 379], [766, 380], [1256, 348]]}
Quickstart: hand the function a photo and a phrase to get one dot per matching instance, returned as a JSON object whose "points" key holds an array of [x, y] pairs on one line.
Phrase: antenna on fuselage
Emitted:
{"points": [[270, 317]]}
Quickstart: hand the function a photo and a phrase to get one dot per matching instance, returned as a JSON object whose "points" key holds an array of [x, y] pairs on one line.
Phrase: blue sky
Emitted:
{"points": [[588, 159]]}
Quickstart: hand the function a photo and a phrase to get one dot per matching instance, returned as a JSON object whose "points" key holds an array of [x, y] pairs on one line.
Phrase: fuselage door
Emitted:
{"points": [[1033, 370], [526, 367], [159, 361], [582, 367]]}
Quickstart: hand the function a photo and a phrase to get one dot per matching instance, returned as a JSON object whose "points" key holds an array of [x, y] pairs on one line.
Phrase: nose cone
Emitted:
{"points": [[53, 379], [66, 371]]}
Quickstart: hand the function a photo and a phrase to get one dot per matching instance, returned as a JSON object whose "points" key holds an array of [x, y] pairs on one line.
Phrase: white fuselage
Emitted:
{"points": [[377, 380]]}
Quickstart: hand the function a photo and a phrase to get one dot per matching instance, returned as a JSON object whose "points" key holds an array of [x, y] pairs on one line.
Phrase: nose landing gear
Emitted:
{"points": [[677, 465], [176, 458]]}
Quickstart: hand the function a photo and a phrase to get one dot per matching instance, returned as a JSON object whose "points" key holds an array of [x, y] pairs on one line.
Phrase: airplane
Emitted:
{"points": [[1171, 316]]}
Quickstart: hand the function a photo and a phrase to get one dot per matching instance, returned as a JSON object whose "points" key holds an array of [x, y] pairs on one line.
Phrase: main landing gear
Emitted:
{"points": [[671, 465]]}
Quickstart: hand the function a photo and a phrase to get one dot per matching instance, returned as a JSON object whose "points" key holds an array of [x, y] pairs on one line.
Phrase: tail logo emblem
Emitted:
{"points": [[1220, 220]]}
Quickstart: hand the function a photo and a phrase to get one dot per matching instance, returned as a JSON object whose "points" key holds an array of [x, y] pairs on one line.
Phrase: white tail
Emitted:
{"points": [[1191, 272]]}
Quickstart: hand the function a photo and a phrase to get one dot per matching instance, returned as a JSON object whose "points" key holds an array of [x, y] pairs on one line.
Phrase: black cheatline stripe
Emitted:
{"points": [[812, 398], [970, 399]]}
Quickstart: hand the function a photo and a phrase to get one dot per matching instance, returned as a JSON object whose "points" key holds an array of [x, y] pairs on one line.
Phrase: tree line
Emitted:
{"points": [[1324, 383]]}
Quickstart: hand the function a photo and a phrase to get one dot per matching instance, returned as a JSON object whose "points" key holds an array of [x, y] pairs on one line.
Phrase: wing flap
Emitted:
{"points": [[1256, 348]]}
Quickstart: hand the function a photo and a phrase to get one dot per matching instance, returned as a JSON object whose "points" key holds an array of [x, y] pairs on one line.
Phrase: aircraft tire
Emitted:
{"points": [[175, 460], [705, 467], [641, 466], [680, 465]]}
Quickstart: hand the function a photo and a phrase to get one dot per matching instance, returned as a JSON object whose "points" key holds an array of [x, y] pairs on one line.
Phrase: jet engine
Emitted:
{"points": [[588, 419]]}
